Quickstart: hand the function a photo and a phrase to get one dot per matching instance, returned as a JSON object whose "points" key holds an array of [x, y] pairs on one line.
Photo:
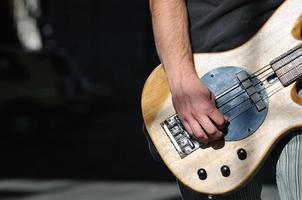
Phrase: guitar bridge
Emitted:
{"points": [[182, 141]]}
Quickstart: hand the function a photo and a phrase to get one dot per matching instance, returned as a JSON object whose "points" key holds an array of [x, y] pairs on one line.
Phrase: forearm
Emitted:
{"points": [[192, 100], [170, 26]]}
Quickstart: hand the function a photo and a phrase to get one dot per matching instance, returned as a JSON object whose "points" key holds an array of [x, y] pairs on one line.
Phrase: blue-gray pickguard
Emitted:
{"points": [[220, 80]]}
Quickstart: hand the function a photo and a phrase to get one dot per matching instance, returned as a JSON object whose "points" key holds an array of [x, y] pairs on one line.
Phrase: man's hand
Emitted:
{"points": [[192, 100], [195, 106]]}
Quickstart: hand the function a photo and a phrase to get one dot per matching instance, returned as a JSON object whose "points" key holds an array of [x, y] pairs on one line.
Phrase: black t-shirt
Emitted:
{"points": [[217, 25]]}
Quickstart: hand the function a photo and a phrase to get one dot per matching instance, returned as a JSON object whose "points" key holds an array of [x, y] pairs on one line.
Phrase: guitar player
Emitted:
{"points": [[185, 26]]}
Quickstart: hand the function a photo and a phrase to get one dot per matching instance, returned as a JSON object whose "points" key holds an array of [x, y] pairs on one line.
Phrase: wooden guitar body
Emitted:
{"points": [[281, 33]]}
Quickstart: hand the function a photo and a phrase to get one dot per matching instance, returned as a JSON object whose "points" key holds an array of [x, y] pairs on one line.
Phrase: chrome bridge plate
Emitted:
{"points": [[182, 141], [239, 95]]}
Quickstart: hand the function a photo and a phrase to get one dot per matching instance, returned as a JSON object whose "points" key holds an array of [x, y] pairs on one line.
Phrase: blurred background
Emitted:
{"points": [[71, 76]]}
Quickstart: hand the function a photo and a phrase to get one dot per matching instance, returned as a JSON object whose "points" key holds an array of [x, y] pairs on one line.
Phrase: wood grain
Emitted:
{"points": [[297, 30], [277, 36]]}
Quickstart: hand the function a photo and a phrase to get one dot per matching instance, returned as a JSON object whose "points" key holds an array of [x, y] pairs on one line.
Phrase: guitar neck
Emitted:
{"points": [[288, 67]]}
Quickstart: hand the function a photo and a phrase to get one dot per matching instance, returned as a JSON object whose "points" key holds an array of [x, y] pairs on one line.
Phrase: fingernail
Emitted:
{"points": [[226, 118]]}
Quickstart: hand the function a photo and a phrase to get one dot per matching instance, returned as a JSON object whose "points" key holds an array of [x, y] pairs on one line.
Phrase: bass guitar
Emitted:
{"points": [[255, 85]]}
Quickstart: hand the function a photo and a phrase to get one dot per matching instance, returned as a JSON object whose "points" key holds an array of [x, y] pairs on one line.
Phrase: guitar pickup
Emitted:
{"points": [[251, 90], [255, 97], [247, 83], [260, 105], [257, 100], [242, 76]]}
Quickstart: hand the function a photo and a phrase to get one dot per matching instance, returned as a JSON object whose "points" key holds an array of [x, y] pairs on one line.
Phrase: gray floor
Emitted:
{"points": [[76, 190]]}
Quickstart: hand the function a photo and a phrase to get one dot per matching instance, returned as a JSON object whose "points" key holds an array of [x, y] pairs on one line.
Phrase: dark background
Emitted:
{"points": [[111, 43]]}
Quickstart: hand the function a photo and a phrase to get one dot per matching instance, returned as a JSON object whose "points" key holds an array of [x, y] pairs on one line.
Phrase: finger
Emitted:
{"points": [[210, 128], [198, 132], [212, 97], [218, 118], [226, 118], [187, 127]]}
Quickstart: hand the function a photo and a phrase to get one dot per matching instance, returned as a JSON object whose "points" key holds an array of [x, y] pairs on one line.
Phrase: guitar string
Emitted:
{"points": [[269, 85], [262, 70], [265, 68], [255, 75], [234, 87], [260, 82], [268, 96], [289, 61], [251, 106], [247, 99], [290, 71]]}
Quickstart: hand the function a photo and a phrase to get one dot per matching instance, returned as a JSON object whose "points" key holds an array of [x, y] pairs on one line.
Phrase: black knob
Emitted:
{"points": [[202, 173], [241, 154], [225, 171]]}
